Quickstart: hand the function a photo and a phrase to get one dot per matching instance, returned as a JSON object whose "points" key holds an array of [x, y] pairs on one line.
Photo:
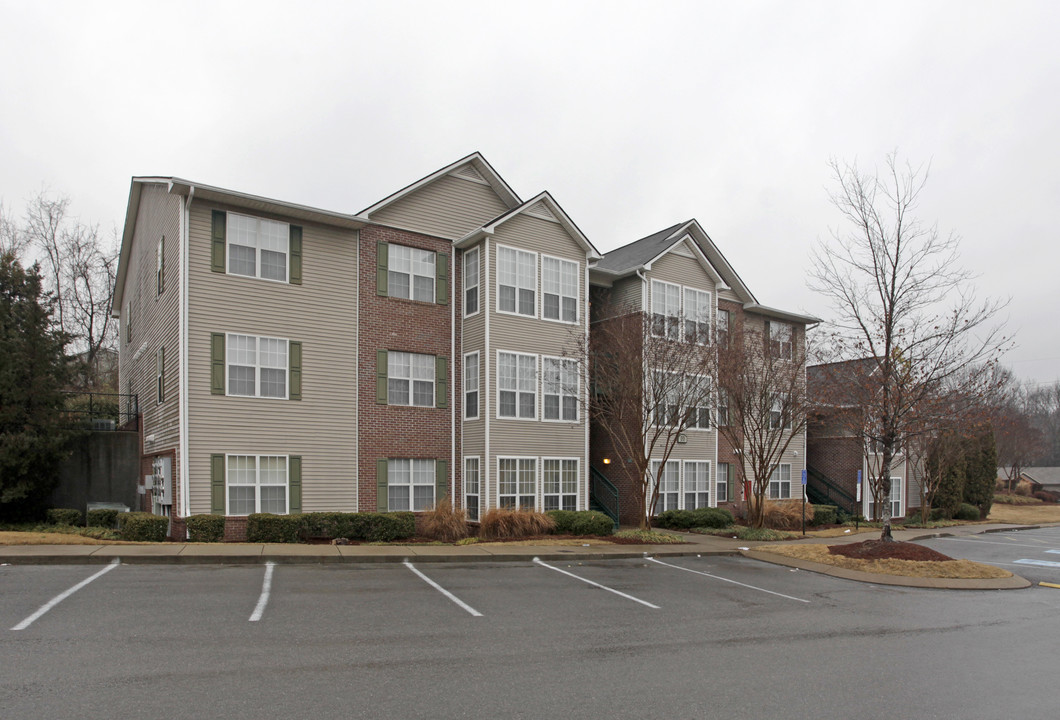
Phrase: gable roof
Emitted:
{"points": [[473, 163], [543, 206]]}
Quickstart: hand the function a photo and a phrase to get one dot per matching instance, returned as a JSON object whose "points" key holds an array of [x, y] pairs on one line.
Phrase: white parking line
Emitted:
{"points": [[266, 588], [734, 582], [596, 584], [62, 596], [987, 542], [443, 591], [1040, 563], [1055, 552]]}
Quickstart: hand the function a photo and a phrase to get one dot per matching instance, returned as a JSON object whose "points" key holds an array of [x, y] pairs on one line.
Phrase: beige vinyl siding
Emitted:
{"points": [[628, 293], [450, 207], [515, 333], [685, 271], [730, 296], [321, 313], [155, 319]]}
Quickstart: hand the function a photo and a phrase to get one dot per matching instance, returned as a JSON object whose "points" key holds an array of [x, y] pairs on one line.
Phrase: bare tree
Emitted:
{"points": [[650, 384], [12, 240], [1044, 407], [1019, 441], [902, 303], [764, 403], [78, 268]]}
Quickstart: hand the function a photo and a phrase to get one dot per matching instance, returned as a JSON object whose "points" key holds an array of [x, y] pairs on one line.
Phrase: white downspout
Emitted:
{"points": [[185, 243], [487, 354], [453, 407]]}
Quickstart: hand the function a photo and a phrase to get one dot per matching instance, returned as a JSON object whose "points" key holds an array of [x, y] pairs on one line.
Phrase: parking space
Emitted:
{"points": [[1033, 554]]}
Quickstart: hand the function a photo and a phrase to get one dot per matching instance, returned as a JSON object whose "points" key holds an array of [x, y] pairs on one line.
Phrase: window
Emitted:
{"points": [[559, 483], [780, 482], [723, 482], [698, 386], [665, 309], [780, 340], [410, 273], [723, 408], [471, 282], [780, 413], [697, 316], [896, 499], [410, 484], [410, 379], [471, 488], [257, 247], [160, 371], [516, 281], [665, 395], [257, 483], [697, 484], [160, 261], [517, 482], [471, 386], [257, 367], [559, 279], [723, 328], [560, 389], [517, 386], [668, 485]]}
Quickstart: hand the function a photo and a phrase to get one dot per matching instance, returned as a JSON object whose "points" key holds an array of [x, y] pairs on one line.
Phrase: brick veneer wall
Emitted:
{"points": [[387, 323]]}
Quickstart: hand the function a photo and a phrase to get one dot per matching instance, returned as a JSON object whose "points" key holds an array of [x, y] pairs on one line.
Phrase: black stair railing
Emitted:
{"points": [[823, 490], [603, 494]]}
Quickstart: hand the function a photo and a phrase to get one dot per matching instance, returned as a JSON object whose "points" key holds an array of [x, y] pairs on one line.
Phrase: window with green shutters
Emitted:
{"points": [[255, 247], [413, 379], [415, 484], [251, 366], [245, 484], [411, 273]]}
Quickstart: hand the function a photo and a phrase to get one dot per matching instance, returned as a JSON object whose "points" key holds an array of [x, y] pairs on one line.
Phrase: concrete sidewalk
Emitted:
{"points": [[695, 545]]}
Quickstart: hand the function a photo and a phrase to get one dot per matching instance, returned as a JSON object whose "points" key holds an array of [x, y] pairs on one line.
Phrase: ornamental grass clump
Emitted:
{"points": [[445, 523], [508, 524], [786, 514]]}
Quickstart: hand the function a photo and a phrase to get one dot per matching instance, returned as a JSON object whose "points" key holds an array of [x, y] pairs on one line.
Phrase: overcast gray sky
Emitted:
{"points": [[634, 115]]}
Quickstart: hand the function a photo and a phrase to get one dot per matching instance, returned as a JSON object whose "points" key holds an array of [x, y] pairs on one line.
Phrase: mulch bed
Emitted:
{"points": [[880, 550]]}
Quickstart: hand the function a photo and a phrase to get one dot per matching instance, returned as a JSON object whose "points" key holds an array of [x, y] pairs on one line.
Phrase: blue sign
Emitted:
{"points": [[803, 477]]}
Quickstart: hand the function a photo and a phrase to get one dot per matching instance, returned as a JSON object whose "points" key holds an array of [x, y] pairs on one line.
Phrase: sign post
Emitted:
{"points": [[804, 502], [857, 510]]}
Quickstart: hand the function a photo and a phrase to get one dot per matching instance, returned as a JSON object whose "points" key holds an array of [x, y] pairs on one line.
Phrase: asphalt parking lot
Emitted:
{"points": [[684, 637], [1033, 554]]}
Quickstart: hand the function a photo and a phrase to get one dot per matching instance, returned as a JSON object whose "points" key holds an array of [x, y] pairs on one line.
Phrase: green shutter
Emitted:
{"points": [[441, 480], [380, 377], [767, 343], [441, 383], [381, 256], [441, 287], [295, 250], [217, 248], [294, 483], [294, 359], [731, 486], [382, 503], [161, 373], [217, 363], [217, 484]]}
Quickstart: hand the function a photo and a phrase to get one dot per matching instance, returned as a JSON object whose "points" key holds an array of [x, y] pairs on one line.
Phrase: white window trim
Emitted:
{"points": [[412, 275], [786, 348], [711, 501], [478, 280], [257, 368], [537, 477], [576, 394], [715, 498], [536, 285], [656, 487], [463, 481], [257, 251], [412, 380], [576, 296], [411, 485], [577, 479], [713, 424], [257, 481], [666, 405], [680, 311], [780, 483], [866, 498], [537, 387], [478, 385], [685, 290]]}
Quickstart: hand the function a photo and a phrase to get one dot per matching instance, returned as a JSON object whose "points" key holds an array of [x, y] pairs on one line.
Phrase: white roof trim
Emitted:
{"points": [[553, 207]]}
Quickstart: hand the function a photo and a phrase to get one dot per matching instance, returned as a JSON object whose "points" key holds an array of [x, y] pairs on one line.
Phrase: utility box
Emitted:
{"points": [[163, 482]]}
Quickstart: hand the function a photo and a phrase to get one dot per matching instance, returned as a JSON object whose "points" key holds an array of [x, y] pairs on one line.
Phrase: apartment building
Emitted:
{"points": [[293, 359]]}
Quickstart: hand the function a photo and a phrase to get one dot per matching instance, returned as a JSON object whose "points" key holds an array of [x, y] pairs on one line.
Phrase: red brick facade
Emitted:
{"points": [[396, 324]]}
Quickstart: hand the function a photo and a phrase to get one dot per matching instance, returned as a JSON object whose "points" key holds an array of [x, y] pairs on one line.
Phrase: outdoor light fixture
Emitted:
{"points": [[607, 461]]}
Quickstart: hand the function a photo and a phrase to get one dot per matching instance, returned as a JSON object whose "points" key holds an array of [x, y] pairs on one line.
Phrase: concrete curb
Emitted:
{"points": [[1010, 583]]}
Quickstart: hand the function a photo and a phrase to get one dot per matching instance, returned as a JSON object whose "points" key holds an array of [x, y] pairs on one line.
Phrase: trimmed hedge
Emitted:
{"points": [[701, 517], [103, 518], [966, 511], [581, 522], [143, 527], [370, 527], [64, 516], [206, 528], [824, 515]]}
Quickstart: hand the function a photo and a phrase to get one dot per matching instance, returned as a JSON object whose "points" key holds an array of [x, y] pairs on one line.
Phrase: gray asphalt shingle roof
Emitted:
{"points": [[638, 252]]}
